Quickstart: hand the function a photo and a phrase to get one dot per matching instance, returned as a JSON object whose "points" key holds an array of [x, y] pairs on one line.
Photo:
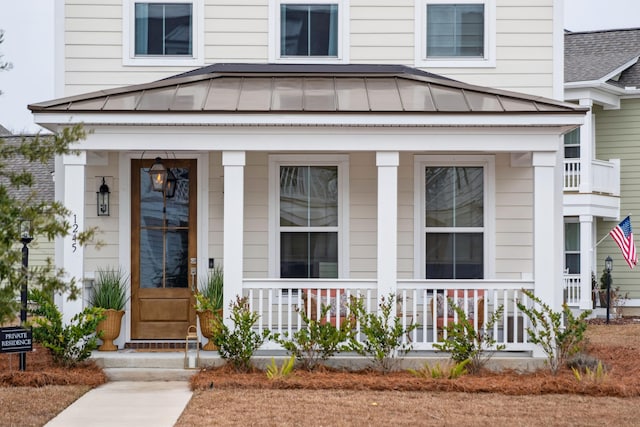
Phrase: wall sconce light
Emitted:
{"points": [[170, 189], [102, 196]]}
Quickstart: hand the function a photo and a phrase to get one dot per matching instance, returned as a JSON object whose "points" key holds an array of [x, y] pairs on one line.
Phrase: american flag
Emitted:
{"points": [[623, 236]]}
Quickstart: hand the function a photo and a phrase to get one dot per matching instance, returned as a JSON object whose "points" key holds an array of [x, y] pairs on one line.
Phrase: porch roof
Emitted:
{"points": [[293, 88]]}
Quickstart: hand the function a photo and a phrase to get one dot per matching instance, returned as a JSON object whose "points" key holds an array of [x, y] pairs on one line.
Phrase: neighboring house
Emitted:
{"points": [[41, 248], [339, 154], [602, 157]]}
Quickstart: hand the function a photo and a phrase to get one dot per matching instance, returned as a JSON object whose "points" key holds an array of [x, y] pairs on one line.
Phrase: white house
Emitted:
{"points": [[326, 146]]}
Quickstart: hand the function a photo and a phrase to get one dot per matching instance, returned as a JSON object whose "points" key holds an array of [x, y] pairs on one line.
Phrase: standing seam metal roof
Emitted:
{"points": [[282, 88]]}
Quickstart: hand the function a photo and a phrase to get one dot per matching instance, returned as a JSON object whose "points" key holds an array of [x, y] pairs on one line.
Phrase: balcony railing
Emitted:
{"points": [[280, 301], [605, 176]]}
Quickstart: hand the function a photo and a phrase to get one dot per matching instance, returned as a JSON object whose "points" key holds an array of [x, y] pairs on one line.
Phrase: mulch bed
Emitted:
{"points": [[41, 371]]}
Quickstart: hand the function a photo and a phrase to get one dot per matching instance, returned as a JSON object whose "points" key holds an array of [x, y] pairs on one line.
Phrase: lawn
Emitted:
{"points": [[222, 397]]}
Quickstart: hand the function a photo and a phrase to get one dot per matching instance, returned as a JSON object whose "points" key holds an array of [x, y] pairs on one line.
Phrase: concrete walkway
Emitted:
{"points": [[127, 403]]}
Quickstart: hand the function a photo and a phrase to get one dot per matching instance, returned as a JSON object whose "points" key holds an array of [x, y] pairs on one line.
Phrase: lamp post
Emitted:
{"points": [[608, 265], [25, 238]]}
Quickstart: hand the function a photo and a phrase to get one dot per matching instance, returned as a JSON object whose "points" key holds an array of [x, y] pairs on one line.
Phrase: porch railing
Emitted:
{"points": [[279, 301], [605, 176], [572, 289]]}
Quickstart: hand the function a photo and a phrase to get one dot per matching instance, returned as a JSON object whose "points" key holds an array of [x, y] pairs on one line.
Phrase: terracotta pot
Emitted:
{"points": [[110, 328], [209, 321]]}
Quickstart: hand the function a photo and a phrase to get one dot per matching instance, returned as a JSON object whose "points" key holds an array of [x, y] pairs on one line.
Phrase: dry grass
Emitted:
{"points": [[34, 406]]}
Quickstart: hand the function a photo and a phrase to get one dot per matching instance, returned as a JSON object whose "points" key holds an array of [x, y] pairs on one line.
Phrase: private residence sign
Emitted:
{"points": [[15, 340]]}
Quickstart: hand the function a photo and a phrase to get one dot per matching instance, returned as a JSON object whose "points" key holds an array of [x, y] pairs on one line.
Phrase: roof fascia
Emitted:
{"points": [[620, 69], [345, 120], [602, 94]]}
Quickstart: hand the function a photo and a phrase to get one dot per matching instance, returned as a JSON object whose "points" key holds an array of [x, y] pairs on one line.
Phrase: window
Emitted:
{"points": [[456, 216], [162, 32], [163, 29], [308, 31], [455, 33], [572, 246], [308, 209], [572, 144]]}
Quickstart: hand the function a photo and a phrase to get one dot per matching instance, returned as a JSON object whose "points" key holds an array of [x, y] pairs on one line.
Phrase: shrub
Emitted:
{"points": [[384, 333], [274, 372], [237, 345], [465, 343], [560, 334], [450, 371], [318, 341], [70, 344]]}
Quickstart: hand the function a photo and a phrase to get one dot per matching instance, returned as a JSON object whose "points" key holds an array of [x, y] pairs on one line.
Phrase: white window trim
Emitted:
{"points": [[342, 162], [343, 34], [565, 252], [419, 238], [128, 37], [420, 33]]}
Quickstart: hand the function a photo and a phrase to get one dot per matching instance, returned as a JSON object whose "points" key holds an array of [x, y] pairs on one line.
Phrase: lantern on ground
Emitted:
{"points": [[192, 349]]}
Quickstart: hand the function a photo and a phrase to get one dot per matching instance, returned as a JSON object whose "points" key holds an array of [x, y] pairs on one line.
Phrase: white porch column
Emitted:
{"points": [[547, 226], [72, 251], [586, 149], [233, 163], [586, 259], [387, 163]]}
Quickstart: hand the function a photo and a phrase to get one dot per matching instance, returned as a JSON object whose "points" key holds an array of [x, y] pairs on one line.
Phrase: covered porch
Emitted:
{"points": [[385, 137]]}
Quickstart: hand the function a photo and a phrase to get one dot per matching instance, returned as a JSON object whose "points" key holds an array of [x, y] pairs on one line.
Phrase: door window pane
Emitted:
{"points": [[572, 247], [164, 233], [163, 29], [455, 30], [308, 255], [309, 30]]}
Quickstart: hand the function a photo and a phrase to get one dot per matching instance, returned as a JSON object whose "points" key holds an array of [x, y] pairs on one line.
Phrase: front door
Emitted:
{"points": [[163, 252]]}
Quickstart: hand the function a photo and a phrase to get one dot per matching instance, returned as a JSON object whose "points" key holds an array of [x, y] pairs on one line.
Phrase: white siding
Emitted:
{"points": [[380, 31]]}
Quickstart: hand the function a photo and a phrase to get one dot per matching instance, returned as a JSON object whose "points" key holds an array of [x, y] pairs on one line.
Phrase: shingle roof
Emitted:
{"points": [[593, 55], [287, 88], [43, 184]]}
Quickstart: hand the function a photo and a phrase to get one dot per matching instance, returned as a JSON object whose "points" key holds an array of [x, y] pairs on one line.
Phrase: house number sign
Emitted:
{"points": [[74, 237]]}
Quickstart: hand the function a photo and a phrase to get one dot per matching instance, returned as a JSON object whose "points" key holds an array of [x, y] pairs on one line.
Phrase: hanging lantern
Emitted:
{"points": [[158, 175], [170, 189], [103, 199]]}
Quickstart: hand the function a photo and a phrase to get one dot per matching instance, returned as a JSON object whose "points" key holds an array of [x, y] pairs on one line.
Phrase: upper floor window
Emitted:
{"points": [[456, 219], [308, 31], [308, 199], [455, 33], [162, 32], [163, 29]]}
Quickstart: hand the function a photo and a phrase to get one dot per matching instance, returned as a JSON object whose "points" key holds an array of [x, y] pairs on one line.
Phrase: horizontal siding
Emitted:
{"points": [[380, 31], [617, 136]]}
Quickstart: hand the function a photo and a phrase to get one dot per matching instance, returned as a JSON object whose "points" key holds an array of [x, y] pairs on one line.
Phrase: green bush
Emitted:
{"points": [[384, 334], [451, 371], [70, 344], [237, 345], [318, 341], [560, 334], [465, 343]]}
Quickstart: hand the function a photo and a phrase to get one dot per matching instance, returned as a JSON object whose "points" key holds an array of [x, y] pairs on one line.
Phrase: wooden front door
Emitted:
{"points": [[163, 252]]}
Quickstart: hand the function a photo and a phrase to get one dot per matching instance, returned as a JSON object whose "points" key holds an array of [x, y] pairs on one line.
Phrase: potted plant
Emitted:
{"points": [[604, 279], [209, 300], [110, 290]]}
